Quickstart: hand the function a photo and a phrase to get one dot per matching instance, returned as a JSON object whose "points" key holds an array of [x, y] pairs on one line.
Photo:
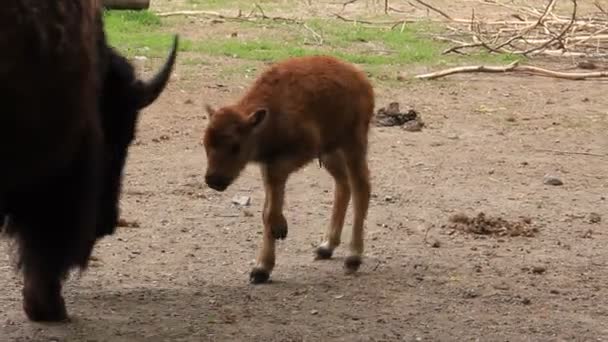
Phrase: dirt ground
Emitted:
{"points": [[181, 274]]}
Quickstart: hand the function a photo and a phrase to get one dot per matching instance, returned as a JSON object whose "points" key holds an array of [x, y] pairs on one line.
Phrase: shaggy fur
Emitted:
{"points": [[69, 108]]}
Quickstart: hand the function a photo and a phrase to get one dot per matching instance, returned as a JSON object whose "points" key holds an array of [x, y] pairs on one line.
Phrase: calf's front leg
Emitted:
{"points": [[275, 225]]}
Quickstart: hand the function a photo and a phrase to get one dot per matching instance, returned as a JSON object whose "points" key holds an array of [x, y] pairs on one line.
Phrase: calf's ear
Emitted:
{"points": [[257, 117]]}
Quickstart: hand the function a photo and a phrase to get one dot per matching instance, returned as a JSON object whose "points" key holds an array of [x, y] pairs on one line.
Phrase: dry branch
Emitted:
{"points": [[250, 17], [538, 31], [515, 67], [434, 9]]}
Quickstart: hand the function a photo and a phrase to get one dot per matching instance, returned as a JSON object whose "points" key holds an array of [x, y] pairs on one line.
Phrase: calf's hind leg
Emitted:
{"points": [[335, 164], [358, 176]]}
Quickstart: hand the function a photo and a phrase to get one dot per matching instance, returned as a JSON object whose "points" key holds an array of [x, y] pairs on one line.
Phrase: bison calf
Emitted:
{"points": [[298, 110]]}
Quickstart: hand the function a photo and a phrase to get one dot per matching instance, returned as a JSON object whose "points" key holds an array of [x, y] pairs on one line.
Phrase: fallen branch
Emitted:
{"points": [[315, 35], [467, 69], [186, 13], [251, 17], [515, 67], [442, 13], [560, 36], [572, 152]]}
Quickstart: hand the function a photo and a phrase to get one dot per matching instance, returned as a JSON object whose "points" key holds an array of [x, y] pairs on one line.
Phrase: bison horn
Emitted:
{"points": [[150, 90]]}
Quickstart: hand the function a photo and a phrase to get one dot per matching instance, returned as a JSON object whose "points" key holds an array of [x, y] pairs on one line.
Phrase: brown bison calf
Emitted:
{"points": [[298, 110]]}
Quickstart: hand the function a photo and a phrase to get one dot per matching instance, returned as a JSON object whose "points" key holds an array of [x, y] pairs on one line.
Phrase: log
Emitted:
{"points": [[127, 4]]}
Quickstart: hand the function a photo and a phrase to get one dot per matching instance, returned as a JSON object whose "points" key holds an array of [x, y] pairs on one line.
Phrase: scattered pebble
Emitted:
{"points": [[552, 180], [242, 201], [314, 312], [502, 286], [588, 234], [539, 269], [436, 244], [594, 218], [471, 293], [526, 301], [129, 224]]}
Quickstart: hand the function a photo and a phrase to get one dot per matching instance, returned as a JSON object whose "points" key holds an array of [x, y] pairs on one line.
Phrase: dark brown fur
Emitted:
{"points": [[68, 110], [298, 110]]}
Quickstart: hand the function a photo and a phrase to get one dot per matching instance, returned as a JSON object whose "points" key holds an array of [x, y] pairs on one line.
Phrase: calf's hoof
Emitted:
{"points": [[352, 263], [259, 276], [45, 309], [323, 253], [279, 230]]}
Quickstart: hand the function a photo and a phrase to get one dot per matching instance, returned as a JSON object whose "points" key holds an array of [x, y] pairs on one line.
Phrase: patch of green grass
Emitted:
{"points": [[359, 44], [137, 32], [377, 48]]}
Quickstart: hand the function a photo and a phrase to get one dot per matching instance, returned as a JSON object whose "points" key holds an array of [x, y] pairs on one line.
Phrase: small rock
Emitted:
{"points": [[314, 312], [502, 286], [554, 291], [587, 65], [594, 218], [539, 269], [471, 293], [242, 201], [552, 180], [129, 224], [436, 244], [588, 234], [526, 301], [413, 126]]}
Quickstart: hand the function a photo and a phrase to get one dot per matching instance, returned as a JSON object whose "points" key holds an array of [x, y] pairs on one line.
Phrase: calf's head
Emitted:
{"points": [[123, 96], [229, 143]]}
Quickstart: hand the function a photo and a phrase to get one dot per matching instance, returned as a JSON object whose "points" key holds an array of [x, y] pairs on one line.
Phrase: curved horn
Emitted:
{"points": [[151, 89]]}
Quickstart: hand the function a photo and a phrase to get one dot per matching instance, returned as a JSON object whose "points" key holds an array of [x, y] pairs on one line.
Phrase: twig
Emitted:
{"points": [[442, 13], [460, 47], [514, 67], [374, 22], [526, 30], [466, 69], [177, 13], [560, 36], [599, 7], [426, 233], [571, 152], [261, 10], [317, 36], [347, 3]]}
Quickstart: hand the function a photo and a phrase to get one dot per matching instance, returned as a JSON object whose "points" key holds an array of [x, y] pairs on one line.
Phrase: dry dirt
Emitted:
{"points": [[179, 269]]}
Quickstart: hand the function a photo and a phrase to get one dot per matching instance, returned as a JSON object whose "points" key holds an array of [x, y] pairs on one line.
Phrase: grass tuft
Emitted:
{"points": [[377, 48]]}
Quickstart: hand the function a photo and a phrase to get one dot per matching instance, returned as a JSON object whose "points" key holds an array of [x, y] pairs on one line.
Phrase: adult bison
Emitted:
{"points": [[68, 110]]}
